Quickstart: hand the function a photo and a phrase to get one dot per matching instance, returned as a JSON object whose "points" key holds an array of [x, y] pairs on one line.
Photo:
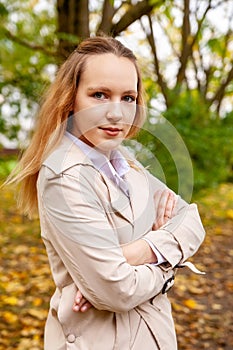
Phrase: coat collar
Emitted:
{"points": [[68, 154], [65, 156]]}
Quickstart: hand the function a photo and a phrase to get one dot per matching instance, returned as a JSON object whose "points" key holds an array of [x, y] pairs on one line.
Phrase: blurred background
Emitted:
{"points": [[185, 50]]}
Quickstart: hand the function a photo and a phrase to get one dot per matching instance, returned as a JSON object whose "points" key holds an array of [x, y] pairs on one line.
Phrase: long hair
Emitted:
{"points": [[57, 104]]}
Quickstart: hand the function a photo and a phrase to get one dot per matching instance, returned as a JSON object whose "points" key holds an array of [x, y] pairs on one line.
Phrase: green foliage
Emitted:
{"points": [[207, 137], [24, 69], [6, 166]]}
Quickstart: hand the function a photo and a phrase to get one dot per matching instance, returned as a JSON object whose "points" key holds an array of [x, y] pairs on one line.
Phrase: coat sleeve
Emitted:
{"points": [[74, 221], [182, 235]]}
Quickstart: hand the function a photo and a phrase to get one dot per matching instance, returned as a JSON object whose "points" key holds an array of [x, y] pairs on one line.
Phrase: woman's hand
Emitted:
{"points": [[81, 303], [165, 202]]}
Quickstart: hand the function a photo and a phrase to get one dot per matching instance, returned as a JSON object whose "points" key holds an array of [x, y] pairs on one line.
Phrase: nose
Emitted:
{"points": [[114, 113]]}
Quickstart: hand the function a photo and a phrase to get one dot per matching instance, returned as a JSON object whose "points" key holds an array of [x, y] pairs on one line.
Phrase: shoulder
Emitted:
{"points": [[66, 155]]}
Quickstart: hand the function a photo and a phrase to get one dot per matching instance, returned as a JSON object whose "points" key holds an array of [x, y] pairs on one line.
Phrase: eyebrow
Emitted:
{"points": [[105, 89]]}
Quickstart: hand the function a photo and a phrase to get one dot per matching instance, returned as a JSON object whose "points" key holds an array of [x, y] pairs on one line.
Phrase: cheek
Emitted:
{"points": [[130, 113], [86, 120]]}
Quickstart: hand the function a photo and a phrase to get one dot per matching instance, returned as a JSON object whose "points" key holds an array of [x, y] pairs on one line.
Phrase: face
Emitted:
{"points": [[105, 103]]}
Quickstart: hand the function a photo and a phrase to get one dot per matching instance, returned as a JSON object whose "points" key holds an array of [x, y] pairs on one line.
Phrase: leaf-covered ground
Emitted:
{"points": [[202, 305]]}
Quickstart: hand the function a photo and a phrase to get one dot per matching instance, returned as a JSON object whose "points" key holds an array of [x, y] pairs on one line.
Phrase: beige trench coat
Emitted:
{"points": [[84, 220]]}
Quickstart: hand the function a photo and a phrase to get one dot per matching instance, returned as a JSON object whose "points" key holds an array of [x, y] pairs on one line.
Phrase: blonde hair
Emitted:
{"points": [[56, 107]]}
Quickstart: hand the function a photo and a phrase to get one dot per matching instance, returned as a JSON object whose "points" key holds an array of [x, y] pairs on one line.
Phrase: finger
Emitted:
{"points": [[157, 197], [79, 301], [169, 206], [159, 203], [160, 199], [165, 202], [75, 307], [174, 209], [78, 306], [160, 222], [86, 307], [78, 297]]}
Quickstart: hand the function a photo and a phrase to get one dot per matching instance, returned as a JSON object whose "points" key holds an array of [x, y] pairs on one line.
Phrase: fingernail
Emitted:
{"points": [[76, 308], [84, 308]]}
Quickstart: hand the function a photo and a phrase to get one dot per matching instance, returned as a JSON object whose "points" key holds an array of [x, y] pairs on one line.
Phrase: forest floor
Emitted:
{"points": [[202, 304]]}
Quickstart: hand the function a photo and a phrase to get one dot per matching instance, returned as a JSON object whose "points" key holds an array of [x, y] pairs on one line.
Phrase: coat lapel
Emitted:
{"points": [[119, 202], [141, 201]]}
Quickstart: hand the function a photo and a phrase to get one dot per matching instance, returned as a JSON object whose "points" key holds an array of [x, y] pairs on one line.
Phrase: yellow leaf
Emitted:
{"points": [[190, 303], [13, 286], [10, 317], [36, 337], [229, 214], [37, 301], [193, 305], [10, 300]]}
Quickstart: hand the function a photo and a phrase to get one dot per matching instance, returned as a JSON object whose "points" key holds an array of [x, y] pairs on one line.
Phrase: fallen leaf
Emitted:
{"points": [[9, 317]]}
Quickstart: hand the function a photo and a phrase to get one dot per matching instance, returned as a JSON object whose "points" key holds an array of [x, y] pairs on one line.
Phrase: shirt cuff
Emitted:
{"points": [[160, 257]]}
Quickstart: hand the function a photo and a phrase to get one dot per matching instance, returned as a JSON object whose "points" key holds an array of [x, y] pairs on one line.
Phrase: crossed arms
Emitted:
{"points": [[139, 252]]}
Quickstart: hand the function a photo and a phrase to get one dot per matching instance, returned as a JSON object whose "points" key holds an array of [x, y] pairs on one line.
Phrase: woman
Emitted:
{"points": [[100, 211]]}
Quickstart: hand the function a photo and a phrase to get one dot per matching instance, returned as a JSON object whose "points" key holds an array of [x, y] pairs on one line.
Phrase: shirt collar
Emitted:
{"points": [[117, 165]]}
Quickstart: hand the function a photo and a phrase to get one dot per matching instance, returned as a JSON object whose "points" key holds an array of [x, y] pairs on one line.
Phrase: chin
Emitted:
{"points": [[109, 145]]}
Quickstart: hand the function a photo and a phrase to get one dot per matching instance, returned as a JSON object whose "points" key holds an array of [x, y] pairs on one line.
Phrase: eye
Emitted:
{"points": [[129, 99], [99, 95]]}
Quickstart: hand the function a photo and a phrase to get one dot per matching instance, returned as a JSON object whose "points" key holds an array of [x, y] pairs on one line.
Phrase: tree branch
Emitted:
{"points": [[134, 13], [203, 84], [199, 85], [151, 39], [31, 46], [188, 40], [208, 73], [186, 47], [219, 95], [108, 13]]}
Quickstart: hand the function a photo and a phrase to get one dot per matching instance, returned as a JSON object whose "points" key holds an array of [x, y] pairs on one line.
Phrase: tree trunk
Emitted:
{"points": [[73, 24]]}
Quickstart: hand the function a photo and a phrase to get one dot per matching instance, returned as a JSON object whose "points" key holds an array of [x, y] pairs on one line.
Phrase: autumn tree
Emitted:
{"points": [[111, 17], [201, 49], [186, 58], [194, 83]]}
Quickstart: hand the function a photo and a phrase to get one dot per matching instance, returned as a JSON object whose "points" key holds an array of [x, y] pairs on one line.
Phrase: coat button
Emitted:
{"points": [[71, 338]]}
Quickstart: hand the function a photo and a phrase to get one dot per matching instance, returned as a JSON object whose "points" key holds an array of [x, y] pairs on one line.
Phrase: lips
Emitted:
{"points": [[110, 130]]}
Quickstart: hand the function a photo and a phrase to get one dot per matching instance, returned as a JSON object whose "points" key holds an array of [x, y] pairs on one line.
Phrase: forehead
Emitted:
{"points": [[108, 69]]}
